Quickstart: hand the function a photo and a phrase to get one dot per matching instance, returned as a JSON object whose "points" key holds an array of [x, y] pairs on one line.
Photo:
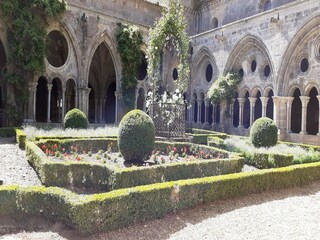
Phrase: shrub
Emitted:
{"points": [[136, 135], [264, 133], [75, 119]]}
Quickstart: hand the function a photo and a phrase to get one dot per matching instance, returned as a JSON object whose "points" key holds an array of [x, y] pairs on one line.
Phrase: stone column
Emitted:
{"points": [[102, 107], [241, 104], [193, 108], [252, 101], [34, 102], [145, 103], [96, 116], [118, 96], [206, 104], [199, 111], [63, 103], [264, 103], [76, 98], [289, 107], [304, 101], [282, 117], [214, 107], [318, 97], [276, 103], [49, 86]]}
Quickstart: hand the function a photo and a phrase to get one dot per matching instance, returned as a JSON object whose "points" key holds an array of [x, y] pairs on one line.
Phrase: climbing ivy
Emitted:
{"points": [[169, 32], [27, 22], [129, 41], [224, 88]]}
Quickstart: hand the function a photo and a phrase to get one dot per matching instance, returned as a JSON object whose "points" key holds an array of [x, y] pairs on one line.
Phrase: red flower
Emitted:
{"points": [[55, 146], [65, 154], [44, 147], [78, 158], [63, 149], [71, 147], [47, 151], [207, 156], [185, 149], [201, 152], [75, 149], [174, 149]]}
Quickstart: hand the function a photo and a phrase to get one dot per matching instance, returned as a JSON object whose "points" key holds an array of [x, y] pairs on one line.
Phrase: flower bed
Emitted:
{"points": [[283, 154], [91, 163]]}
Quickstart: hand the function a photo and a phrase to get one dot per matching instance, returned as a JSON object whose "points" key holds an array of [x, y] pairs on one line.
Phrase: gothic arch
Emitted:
{"points": [[110, 43], [203, 58], [241, 47], [282, 86]]}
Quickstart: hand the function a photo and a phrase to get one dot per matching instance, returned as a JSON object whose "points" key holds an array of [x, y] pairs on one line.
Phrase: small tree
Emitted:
{"points": [[224, 88]]}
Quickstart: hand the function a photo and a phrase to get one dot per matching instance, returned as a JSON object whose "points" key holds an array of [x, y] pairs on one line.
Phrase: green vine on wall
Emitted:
{"points": [[224, 88], [169, 32], [27, 22], [129, 41]]}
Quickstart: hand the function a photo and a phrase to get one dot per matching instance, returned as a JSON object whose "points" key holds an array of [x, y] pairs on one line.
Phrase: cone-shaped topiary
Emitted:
{"points": [[264, 133], [136, 136], [75, 119]]}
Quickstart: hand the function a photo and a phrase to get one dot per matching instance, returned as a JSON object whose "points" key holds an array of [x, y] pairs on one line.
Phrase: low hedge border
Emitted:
{"points": [[108, 177], [119, 208], [21, 138], [40, 138], [7, 132]]}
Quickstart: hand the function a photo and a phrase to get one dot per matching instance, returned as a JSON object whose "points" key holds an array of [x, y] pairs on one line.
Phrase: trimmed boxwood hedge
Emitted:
{"points": [[108, 177], [21, 138], [7, 132], [100, 212]]}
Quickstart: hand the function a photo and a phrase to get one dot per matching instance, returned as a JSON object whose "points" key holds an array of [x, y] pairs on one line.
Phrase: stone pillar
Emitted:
{"points": [[63, 113], [304, 101], [193, 106], [96, 116], [118, 96], [206, 104], [49, 86], [276, 104], [241, 104], [76, 98], [264, 103], [59, 107], [34, 102], [282, 117], [289, 106], [102, 107], [214, 108], [199, 111], [252, 101], [145, 103]]}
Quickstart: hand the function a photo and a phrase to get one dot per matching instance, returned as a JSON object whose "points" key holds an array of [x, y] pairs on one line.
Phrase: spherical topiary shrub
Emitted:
{"points": [[136, 136], [75, 119], [264, 133]]}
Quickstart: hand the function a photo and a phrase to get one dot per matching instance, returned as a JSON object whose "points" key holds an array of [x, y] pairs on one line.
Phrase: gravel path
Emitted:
{"points": [[14, 166], [282, 214]]}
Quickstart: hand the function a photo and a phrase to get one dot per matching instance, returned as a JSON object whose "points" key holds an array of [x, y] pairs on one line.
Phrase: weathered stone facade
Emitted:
{"points": [[274, 44]]}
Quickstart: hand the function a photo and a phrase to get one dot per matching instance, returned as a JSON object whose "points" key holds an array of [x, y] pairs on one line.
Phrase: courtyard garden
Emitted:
{"points": [[99, 179]]}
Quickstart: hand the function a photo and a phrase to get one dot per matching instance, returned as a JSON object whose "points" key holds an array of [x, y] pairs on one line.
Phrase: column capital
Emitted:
{"points": [[252, 99], [241, 100], [318, 97], [264, 100], [276, 99], [304, 100], [289, 99], [49, 86]]}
